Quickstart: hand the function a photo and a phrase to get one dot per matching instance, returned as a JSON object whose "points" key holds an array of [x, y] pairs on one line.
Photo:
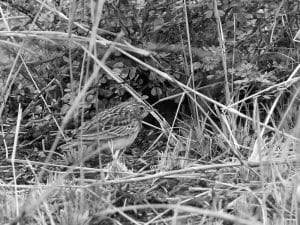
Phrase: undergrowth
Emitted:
{"points": [[220, 145]]}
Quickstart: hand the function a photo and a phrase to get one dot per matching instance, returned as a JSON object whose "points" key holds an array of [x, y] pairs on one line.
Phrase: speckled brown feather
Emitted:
{"points": [[123, 120]]}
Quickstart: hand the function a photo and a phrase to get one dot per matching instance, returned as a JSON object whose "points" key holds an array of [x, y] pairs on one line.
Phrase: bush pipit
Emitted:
{"points": [[115, 128]]}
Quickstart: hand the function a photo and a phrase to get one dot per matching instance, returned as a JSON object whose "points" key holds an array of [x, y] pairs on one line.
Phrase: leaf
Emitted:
{"points": [[65, 108], [117, 71], [208, 14], [124, 74], [132, 73], [164, 54], [118, 65], [103, 80], [121, 91], [153, 91], [158, 91], [66, 98], [197, 65], [152, 76]]}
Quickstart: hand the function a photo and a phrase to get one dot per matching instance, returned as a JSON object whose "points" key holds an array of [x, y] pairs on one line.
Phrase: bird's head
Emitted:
{"points": [[138, 109]]}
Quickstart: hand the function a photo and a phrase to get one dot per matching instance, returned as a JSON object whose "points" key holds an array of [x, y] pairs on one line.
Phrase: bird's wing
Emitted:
{"points": [[110, 132]]}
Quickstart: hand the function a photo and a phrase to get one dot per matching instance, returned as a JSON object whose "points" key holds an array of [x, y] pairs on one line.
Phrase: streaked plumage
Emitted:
{"points": [[115, 127]]}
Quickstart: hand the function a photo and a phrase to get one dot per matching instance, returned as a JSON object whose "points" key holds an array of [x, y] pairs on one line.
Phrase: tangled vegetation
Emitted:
{"points": [[220, 145]]}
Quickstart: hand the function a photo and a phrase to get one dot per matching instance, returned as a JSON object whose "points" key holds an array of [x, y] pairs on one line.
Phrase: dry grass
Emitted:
{"points": [[182, 173]]}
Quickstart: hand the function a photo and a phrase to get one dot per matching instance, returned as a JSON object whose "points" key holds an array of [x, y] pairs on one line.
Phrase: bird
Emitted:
{"points": [[114, 128]]}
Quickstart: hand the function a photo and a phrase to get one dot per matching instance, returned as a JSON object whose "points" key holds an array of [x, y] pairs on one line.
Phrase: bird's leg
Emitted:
{"points": [[121, 151], [115, 154]]}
